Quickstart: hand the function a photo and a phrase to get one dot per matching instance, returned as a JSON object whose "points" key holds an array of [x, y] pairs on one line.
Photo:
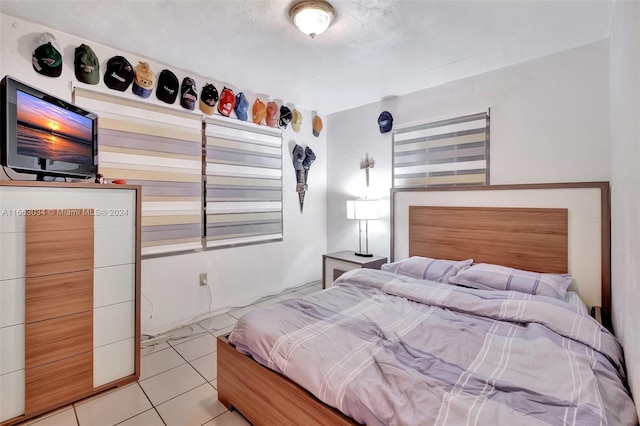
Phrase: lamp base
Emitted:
{"points": [[364, 254]]}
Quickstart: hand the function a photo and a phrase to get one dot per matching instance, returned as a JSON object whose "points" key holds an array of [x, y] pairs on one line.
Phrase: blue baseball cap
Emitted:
{"points": [[242, 105], [385, 121]]}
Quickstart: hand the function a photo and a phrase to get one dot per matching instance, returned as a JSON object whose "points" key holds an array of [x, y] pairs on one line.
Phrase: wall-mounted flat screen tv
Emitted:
{"points": [[45, 135]]}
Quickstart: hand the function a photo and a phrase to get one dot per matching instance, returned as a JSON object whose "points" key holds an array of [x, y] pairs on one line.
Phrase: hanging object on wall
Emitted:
{"points": [[317, 125], [119, 74], [167, 88], [227, 102], [208, 99], [273, 114], [285, 117], [303, 158], [367, 164], [144, 80], [296, 121], [189, 93], [259, 111], [385, 121], [242, 105], [46, 58], [86, 65]]}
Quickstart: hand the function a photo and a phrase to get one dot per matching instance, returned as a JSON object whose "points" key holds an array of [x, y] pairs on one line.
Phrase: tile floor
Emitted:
{"points": [[177, 385]]}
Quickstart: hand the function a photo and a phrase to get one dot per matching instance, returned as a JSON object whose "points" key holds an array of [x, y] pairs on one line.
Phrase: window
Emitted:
{"points": [[445, 152], [243, 187], [160, 149]]}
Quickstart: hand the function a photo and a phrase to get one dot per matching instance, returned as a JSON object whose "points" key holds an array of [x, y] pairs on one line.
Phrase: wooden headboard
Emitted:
{"points": [[523, 238], [554, 228]]}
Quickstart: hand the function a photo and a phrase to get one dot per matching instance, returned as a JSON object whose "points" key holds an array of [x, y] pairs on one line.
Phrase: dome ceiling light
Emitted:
{"points": [[312, 17]]}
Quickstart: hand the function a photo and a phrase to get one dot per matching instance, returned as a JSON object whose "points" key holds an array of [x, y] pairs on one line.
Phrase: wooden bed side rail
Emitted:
{"points": [[265, 397]]}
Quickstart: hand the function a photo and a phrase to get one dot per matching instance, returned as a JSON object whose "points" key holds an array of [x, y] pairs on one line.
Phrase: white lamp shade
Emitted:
{"points": [[364, 209], [312, 17]]}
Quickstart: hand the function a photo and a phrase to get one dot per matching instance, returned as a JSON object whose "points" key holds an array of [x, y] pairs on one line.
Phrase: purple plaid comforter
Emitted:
{"points": [[390, 350]]}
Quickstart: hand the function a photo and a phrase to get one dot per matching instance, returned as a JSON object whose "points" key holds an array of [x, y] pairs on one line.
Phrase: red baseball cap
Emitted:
{"points": [[227, 102], [273, 114]]}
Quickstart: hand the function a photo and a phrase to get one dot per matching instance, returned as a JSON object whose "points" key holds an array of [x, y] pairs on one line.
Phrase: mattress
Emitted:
{"points": [[390, 350]]}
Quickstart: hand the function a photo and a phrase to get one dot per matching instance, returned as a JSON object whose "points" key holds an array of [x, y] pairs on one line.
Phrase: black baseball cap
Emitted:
{"points": [[285, 117], [167, 86], [46, 58], [385, 121], [87, 65], [208, 99], [188, 93], [118, 74]]}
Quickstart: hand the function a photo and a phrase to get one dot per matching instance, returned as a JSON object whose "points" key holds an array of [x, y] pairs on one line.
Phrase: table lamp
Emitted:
{"points": [[363, 209]]}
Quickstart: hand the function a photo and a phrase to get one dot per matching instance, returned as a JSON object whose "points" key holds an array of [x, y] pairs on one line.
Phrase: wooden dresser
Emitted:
{"points": [[69, 293]]}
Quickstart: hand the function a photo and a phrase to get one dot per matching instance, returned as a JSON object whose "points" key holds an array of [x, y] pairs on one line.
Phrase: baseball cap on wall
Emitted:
{"points": [[242, 105], [87, 65], [208, 99], [296, 120], [385, 121], [227, 102], [144, 80], [46, 57], [285, 117], [188, 93], [317, 126], [273, 114], [167, 88], [259, 111], [118, 74]]}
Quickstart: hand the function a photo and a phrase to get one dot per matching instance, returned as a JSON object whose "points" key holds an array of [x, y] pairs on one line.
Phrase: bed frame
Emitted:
{"points": [[536, 229]]}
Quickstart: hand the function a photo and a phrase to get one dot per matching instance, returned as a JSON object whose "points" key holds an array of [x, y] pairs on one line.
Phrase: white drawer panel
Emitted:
{"points": [[113, 362], [9, 221], [11, 302], [11, 348], [11, 395], [113, 284], [114, 218], [113, 246], [12, 256], [113, 323]]}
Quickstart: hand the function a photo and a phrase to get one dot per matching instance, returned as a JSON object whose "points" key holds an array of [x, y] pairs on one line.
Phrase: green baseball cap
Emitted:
{"points": [[46, 58], [87, 65]]}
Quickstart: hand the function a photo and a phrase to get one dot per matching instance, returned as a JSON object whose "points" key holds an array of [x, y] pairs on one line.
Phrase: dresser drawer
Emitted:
{"points": [[334, 268], [60, 381]]}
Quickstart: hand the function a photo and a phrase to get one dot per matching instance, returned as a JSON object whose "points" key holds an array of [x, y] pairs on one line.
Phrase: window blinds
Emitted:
{"points": [[161, 150], [446, 152], [243, 183]]}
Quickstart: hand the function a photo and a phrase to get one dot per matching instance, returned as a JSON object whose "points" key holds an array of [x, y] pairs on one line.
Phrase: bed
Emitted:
{"points": [[473, 356]]}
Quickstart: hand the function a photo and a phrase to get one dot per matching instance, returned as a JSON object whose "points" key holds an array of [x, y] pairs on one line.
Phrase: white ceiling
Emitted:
{"points": [[373, 50]]}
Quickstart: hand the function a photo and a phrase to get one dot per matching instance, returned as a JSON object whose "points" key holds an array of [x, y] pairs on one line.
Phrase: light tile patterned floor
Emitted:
{"points": [[177, 384]]}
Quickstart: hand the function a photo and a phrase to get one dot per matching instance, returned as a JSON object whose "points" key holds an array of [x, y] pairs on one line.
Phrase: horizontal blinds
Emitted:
{"points": [[243, 183], [445, 152], [161, 150]]}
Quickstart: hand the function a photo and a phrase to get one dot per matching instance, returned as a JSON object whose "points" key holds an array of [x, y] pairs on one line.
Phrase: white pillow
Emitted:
{"points": [[486, 276], [426, 268]]}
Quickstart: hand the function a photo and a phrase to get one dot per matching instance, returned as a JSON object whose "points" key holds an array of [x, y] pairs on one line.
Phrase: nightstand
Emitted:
{"points": [[336, 264]]}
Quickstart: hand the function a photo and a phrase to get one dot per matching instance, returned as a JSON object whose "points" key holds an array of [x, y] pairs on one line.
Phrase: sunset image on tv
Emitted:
{"points": [[49, 131]]}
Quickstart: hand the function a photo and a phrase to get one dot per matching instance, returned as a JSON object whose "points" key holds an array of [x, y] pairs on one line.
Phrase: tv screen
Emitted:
{"points": [[45, 135]]}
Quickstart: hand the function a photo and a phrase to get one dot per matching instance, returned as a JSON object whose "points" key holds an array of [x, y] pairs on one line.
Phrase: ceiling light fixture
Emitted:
{"points": [[312, 17]]}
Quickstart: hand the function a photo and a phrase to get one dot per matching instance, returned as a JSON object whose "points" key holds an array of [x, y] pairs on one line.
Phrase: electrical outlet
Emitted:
{"points": [[203, 278]]}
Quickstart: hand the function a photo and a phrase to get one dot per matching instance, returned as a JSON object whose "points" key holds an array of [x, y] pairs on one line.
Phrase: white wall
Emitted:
{"points": [[625, 184], [549, 123], [237, 276]]}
